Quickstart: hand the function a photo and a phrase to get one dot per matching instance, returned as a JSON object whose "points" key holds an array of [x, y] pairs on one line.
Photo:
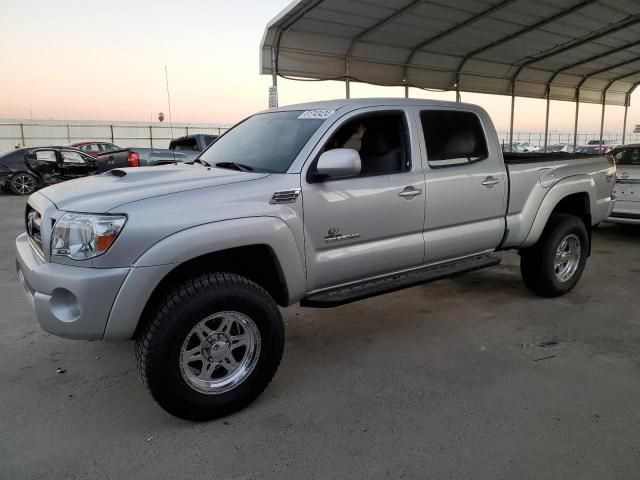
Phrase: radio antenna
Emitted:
{"points": [[166, 77]]}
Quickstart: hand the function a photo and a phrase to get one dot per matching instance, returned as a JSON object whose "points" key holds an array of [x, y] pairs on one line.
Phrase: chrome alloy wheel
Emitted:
{"points": [[220, 352], [567, 258], [23, 184]]}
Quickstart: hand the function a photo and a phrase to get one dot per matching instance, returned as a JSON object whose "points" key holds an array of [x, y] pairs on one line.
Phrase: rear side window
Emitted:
{"points": [[628, 156], [453, 137]]}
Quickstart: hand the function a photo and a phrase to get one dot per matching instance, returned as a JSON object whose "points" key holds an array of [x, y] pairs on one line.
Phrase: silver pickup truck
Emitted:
{"points": [[321, 204]]}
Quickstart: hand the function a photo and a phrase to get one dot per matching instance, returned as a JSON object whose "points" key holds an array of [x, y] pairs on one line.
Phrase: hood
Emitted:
{"points": [[101, 193]]}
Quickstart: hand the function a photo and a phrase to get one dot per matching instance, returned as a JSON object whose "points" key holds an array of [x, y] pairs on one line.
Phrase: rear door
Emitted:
{"points": [[369, 224], [44, 162], [466, 185]]}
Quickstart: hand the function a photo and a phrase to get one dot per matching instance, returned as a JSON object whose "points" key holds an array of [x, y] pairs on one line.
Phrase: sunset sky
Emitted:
{"points": [[71, 59]]}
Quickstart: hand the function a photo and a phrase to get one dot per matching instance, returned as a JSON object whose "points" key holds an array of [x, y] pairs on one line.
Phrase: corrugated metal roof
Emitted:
{"points": [[529, 47]]}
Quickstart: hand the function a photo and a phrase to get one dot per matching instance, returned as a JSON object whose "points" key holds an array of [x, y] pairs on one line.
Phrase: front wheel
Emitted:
{"points": [[553, 266], [211, 347]]}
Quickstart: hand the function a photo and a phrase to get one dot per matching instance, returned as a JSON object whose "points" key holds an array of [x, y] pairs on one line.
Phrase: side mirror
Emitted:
{"points": [[339, 162]]}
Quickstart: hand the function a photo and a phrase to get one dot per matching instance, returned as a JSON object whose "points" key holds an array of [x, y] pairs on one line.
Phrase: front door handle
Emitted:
{"points": [[489, 182], [409, 192]]}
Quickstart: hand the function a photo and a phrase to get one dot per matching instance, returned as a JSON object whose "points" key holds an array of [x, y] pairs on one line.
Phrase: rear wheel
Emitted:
{"points": [[211, 347], [23, 184], [553, 266]]}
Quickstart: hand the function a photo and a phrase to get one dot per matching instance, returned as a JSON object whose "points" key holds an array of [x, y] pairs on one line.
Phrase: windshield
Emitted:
{"points": [[267, 142]]}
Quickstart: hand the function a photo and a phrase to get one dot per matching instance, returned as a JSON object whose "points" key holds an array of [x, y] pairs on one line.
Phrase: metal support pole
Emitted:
{"points": [[151, 135], [575, 123], [546, 120], [624, 122], [513, 108], [274, 77], [602, 121], [187, 130], [406, 91], [458, 98], [22, 134], [347, 82], [68, 134], [112, 139]]}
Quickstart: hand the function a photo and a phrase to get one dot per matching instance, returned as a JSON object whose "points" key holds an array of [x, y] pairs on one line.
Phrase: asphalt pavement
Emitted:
{"points": [[467, 378]]}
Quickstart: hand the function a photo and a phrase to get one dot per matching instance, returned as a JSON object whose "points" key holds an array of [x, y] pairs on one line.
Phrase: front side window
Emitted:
{"points": [[381, 140], [266, 142], [453, 137]]}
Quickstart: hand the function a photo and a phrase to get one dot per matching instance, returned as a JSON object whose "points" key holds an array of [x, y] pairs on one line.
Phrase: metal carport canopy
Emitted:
{"points": [[570, 50]]}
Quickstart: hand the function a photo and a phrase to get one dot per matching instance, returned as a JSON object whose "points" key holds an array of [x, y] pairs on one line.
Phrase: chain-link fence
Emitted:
{"points": [[32, 133]]}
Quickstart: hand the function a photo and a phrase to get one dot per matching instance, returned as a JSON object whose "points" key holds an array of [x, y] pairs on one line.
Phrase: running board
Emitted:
{"points": [[391, 283]]}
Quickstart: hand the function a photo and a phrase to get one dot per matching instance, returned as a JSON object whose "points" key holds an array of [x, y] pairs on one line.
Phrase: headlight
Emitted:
{"points": [[82, 235]]}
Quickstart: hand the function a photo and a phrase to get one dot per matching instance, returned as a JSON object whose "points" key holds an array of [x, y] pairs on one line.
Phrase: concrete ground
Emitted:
{"points": [[469, 378]]}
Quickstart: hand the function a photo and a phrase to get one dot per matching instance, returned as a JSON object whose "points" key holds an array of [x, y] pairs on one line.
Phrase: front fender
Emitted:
{"points": [[161, 258], [560, 190]]}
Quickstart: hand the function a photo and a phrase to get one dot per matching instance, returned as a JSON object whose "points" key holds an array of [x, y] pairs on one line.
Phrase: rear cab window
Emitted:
{"points": [[453, 137]]}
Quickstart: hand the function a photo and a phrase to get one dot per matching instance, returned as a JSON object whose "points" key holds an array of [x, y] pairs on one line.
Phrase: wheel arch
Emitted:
{"points": [[262, 249], [574, 196]]}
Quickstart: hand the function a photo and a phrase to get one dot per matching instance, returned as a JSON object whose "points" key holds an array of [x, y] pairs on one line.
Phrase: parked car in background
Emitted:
{"points": [[560, 148], [24, 170], [322, 204], [183, 149], [529, 147], [95, 148], [597, 142], [627, 189], [595, 149], [516, 147]]}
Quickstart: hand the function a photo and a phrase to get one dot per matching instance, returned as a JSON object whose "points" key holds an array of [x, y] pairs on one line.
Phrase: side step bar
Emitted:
{"points": [[391, 283]]}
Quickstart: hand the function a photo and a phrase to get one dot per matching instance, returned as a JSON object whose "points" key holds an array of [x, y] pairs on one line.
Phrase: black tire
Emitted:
{"points": [[537, 262], [23, 183], [159, 344]]}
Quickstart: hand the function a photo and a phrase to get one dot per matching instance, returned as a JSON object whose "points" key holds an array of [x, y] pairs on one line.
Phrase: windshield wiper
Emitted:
{"points": [[235, 166]]}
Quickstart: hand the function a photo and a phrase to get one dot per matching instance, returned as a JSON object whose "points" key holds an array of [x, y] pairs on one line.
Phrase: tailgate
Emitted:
{"points": [[111, 160]]}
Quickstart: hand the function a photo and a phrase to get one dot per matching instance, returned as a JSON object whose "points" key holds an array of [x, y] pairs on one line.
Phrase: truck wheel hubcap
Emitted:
{"points": [[23, 183], [220, 352], [567, 258]]}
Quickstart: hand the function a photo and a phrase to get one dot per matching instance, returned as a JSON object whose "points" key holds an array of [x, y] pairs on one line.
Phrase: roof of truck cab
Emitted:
{"points": [[355, 103]]}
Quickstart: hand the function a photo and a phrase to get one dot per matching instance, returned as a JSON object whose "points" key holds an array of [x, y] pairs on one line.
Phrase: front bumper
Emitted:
{"points": [[69, 301]]}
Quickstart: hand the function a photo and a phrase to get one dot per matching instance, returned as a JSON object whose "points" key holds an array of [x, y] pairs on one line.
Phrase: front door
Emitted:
{"points": [[369, 224], [74, 164], [466, 185]]}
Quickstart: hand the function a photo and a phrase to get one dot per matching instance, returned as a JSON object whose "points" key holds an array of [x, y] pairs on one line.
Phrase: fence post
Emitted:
{"points": [[22, 134], [68, 134], [112, 139], [151, 135], [187, 129]]}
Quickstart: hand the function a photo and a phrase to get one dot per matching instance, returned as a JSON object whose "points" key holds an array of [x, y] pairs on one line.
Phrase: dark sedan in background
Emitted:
{"points": [[24, 170]]}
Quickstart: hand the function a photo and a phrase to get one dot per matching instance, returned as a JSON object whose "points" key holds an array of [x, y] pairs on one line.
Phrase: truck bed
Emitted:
{"points": [[536, 157]]}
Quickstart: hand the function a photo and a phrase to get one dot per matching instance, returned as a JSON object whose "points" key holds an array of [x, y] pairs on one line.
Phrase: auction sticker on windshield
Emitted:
{"points": [[316, 114]]}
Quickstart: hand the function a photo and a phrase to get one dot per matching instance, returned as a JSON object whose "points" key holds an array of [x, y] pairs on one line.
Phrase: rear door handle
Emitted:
{"points": [[409, 192], [490, 181]]}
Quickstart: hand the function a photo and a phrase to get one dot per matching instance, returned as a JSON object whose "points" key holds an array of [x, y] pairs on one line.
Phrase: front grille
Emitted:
{"points": [[33, 221]]}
